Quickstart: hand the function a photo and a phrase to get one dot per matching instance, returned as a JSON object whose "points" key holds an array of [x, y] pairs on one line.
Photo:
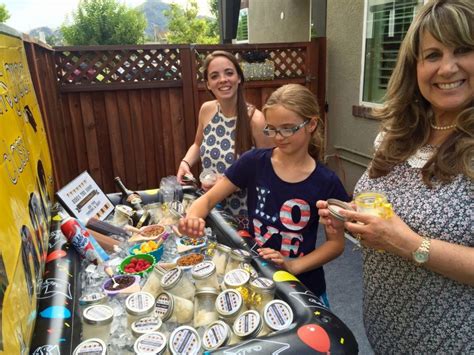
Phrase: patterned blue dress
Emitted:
{"points": [[217, 152]]}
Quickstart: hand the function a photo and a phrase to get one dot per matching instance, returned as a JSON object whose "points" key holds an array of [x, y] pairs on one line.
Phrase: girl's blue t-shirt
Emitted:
{"points": [[283, 215]]}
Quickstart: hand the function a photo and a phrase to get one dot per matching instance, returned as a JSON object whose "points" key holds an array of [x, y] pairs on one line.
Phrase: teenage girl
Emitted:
{"points": [[283, 185]]}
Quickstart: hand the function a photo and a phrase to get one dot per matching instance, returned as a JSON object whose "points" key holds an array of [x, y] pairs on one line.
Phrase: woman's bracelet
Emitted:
{"points": [[184, 161]]}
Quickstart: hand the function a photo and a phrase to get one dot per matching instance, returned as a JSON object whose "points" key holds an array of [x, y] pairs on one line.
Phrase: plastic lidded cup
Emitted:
{"points": [[208, 178]]}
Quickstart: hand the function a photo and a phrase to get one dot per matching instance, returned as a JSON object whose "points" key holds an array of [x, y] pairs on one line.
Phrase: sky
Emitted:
{"points": [[26, 15]]}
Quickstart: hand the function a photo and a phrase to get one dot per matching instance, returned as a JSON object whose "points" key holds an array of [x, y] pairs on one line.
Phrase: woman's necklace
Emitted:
{"points": [[442, 128]]}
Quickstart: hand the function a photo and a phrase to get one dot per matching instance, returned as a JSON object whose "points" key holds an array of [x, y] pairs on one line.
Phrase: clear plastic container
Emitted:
{"points": [[153, 343], [171, 308], [176, 282], [248, 325], [184, 340], [262, 292], [216, 335], [220, 258], [91, 346], [205, 307], [146, 325], [204, 275], [277, 315], [139, 305], [153, 283], [97, 321], [237, 256], [229, 305]]}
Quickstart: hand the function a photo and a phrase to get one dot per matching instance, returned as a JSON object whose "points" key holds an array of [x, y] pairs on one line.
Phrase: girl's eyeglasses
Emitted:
{"points": [[284, 132]]}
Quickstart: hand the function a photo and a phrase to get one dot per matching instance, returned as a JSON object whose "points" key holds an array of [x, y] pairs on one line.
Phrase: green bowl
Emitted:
{"points": [[128, 259]]}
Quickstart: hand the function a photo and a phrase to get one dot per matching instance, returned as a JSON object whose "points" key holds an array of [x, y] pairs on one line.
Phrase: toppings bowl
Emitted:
{"points": [[147, 248], [140, 264]]}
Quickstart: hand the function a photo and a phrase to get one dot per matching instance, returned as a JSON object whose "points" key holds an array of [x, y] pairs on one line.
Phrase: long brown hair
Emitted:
{"points": [[243, 130], [300, 100], [407, 114]]}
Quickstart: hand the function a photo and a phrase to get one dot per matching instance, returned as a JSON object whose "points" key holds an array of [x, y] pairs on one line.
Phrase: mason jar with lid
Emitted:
{"points": [[263, 291], [146, 325], [216, 335], [153, 343], [229, 305], [91, 346], [205, 307], [153, 283], [238, 279], [220, 258], [176, 282], [277, 315], [204, 275], [173, 308], [139, 305], [91, 299], [184, 340], [374, 203], [237, 256], [97, 320], [249, 268], [248, 325]]}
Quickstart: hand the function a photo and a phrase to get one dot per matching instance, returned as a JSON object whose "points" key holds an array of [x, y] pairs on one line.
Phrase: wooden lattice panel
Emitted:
{"points": [[289, 62], [117, 66]]}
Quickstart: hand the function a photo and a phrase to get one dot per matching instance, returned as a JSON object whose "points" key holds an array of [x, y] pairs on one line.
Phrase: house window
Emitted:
{"points": [[243, 27], [386, 23]]}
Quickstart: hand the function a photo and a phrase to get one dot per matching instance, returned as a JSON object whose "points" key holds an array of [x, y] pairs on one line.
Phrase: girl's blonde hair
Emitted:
{"points": [[300, 100], [407, 114]]}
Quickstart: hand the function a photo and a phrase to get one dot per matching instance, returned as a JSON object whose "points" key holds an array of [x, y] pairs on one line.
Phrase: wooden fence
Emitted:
{"points": [[131, 111]]}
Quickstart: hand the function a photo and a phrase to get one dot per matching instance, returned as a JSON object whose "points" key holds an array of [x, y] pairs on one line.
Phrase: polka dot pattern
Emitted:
{"points": [[217, 152]]}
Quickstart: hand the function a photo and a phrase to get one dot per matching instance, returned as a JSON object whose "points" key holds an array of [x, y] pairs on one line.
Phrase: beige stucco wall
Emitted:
{"points": [[267, 26], [349, 138]]}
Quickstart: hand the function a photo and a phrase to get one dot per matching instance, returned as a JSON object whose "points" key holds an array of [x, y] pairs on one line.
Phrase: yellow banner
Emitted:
{"points": [[25, 194]]}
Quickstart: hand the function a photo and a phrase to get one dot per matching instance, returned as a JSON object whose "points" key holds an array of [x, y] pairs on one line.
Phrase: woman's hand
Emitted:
{"points": [[192, 226], [183, 169], [392, 234], [332, 225]]}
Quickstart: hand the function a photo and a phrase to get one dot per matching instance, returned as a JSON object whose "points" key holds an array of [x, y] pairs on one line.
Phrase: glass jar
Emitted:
{"points": [[277, 315], [237, 256], [220, 258], [216, 335], [229, 305], [249, 268], [184, 340], [237, 279], [204, 275], [176, 282], [139, 305], [97, 320], [153, 283], [262, 292], [205, 307], [173, 308], [91, 346], [91, 299], [374, 203], [146, 325], [248, 325], [153, 343]]}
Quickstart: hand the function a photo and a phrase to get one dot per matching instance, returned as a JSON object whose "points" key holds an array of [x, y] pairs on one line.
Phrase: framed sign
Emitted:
{"points": [[84, 199]]}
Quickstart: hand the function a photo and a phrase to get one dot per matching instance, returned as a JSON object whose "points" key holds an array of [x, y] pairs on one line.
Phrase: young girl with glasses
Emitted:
{"points": [[283, 185]]}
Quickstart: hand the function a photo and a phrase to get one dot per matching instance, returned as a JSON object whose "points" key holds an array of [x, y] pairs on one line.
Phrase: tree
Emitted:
{"points": [[104, 22], [185, 26], [213, 22], [4, 14]]}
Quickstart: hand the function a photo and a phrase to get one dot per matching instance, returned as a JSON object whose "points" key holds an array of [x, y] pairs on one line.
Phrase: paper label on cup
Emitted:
{"points": [[247, 323], [262, 283], [228, 302], [98, 313], [203, 269], [139, 302], [150, 343], [243, 253], [146, 325], [171, 277], [215, 335], [91, 347], [162, 305], [236, 277], [185, 340], [278, 315]]}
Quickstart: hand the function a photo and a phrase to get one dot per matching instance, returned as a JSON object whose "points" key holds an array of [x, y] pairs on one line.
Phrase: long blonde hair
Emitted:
{"points": [[407, 114], [300, 100]]}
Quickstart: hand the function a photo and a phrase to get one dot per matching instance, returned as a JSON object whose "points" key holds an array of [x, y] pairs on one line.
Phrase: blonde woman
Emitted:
{"points": [[419, 292]]}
